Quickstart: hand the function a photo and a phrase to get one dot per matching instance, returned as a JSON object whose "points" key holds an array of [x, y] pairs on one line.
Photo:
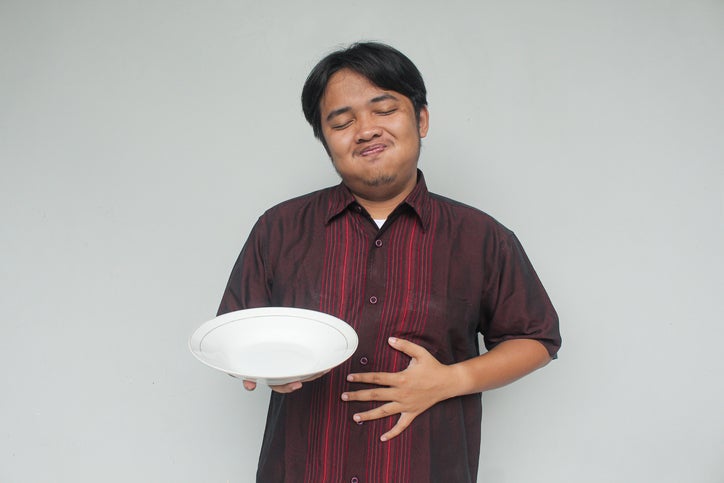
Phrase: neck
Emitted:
{"points": [[381, 209], [378, 210]]}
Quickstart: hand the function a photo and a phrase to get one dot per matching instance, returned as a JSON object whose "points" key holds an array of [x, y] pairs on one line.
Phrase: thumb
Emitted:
{"points": [[249, 385]]}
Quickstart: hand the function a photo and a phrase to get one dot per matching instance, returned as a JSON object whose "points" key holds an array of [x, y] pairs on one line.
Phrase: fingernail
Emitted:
{"points": [[383, 438], [344, 396], [350, 377], [357, 418], [393, 340]]}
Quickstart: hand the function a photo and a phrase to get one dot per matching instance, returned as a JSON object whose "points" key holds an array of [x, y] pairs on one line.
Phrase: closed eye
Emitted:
{"points": [[339, 127], [387, 113]]}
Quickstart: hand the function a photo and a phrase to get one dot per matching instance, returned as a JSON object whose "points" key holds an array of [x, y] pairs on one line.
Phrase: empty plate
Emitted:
{"points": [[275, 345]]}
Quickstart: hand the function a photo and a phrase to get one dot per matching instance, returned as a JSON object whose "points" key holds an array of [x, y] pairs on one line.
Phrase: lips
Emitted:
{"points": [[372, 150]]}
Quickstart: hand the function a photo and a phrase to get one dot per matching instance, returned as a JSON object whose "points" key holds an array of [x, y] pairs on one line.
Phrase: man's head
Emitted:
{"points": [[381, 64], [367, 104]]}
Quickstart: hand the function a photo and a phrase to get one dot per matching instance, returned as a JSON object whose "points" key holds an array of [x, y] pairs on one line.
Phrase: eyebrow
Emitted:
{"points": [[342, 110]]}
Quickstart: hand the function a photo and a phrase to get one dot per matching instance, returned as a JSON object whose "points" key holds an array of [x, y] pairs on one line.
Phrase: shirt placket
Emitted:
{"points": [[365, 359]]}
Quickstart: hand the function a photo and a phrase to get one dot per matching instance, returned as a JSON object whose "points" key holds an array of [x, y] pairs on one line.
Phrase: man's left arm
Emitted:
{"points": [[426, 381]]}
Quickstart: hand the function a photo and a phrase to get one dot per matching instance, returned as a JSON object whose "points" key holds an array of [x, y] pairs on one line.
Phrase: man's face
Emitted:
{"points": [[372, 136]]}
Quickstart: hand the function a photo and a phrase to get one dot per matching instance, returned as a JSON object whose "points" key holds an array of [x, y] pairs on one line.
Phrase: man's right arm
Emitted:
{"points": [[249, 287]]}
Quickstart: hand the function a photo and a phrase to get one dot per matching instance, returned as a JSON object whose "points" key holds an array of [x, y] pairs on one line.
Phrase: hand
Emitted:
{"points": [[284, 388], [409, 393]]}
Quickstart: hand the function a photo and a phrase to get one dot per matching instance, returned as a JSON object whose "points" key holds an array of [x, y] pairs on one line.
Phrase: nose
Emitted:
{"points": [[367, 129]]}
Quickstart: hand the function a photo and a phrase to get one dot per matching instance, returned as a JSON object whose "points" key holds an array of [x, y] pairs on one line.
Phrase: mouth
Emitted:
{"points": [[372, 150]]}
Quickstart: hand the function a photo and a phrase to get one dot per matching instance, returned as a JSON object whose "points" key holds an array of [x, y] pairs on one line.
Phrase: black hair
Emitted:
{"points": [[381, 64]]}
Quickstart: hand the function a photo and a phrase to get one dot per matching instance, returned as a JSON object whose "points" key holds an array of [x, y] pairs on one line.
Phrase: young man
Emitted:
{"points": [[417, 275]]}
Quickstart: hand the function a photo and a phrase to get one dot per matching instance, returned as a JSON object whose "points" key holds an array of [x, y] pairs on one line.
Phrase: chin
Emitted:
{"points": [[379, 181]]}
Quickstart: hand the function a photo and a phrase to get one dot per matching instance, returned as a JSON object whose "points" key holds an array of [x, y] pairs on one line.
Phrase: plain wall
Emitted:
{"points": [[139, 141]]}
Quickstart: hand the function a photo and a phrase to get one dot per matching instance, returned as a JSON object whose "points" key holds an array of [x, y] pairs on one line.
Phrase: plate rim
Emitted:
{"points": [[347, 331]]}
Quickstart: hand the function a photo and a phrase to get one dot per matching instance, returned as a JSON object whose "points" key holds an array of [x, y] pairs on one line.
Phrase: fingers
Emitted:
{"points": [[410, 348], [406, 393], [389, 409], [397, 429], [283, 388], [376, 394], [287, 388], [293, 386], [379, 378], [416, 352], [315, 376]]}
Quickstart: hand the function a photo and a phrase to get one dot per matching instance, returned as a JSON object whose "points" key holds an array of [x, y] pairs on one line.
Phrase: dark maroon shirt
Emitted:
{"points": [[437, 273]]}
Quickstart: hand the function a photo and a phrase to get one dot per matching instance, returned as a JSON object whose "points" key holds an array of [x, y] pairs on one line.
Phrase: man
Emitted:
{"points": [[417, 275]]}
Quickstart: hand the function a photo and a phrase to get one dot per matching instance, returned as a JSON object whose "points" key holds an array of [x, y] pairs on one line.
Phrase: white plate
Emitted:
{"points": [[275, 345]]}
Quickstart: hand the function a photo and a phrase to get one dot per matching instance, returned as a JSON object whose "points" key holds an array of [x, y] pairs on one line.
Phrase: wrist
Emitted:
{"points": [[459, 381]]}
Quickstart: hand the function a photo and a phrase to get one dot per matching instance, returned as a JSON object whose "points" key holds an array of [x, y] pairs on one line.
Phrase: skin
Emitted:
{"points": [[373, 137]]}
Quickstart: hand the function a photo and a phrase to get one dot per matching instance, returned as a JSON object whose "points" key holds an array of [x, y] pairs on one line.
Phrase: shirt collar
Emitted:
{"points": [[418, 200]]}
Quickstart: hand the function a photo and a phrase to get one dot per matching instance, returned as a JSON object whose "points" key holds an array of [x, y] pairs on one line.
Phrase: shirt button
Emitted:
{"points": [[354, 480], [378, 243], [359, 423], [363, 360], [373, 300]]}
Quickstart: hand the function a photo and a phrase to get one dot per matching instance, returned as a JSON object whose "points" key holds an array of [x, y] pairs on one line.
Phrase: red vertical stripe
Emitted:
{"points": [[406, 288]]}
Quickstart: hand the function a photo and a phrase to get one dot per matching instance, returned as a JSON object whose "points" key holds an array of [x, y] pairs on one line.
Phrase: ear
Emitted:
{"points": [[424, 122]]}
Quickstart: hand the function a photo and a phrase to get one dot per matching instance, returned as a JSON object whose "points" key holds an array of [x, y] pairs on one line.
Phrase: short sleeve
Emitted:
{"points": [[249, 284], [516, 304]]}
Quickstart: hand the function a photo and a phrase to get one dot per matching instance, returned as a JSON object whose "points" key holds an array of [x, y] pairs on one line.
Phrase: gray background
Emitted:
{"points": [[140, 140]]}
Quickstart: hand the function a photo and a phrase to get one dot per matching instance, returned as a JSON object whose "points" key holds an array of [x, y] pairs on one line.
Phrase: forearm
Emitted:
{"points": [[505, 363]]}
